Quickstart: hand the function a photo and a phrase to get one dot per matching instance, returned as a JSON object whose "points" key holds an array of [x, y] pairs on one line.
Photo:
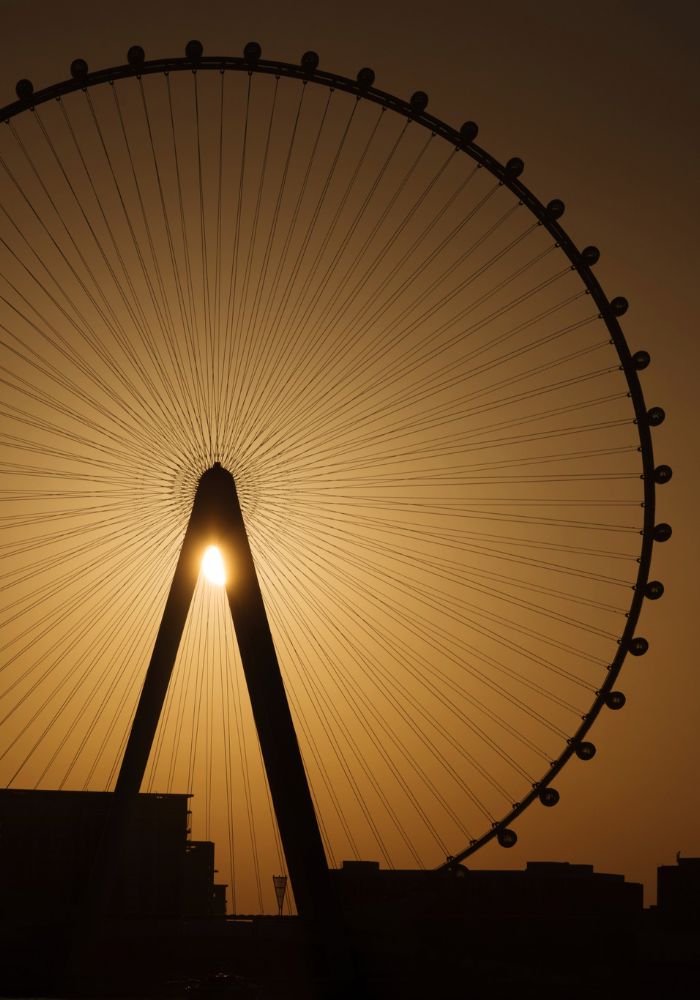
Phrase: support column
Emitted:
{"points": [[217, 519]]}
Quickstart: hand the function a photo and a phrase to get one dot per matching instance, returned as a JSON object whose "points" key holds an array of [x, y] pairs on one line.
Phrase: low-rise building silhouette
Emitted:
{"points": [[551, 929], [542, 889], [678, 890], [49, 842]]}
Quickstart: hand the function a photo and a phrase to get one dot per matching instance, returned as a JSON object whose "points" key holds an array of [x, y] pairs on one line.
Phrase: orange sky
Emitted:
{"points": [[602, 112]]}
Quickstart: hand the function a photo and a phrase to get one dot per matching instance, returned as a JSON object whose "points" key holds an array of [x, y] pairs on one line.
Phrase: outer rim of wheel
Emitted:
{"points": [[250, 64]]}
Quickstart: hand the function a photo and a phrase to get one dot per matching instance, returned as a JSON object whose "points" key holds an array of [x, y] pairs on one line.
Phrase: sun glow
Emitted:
{"points": [[213, 566]]}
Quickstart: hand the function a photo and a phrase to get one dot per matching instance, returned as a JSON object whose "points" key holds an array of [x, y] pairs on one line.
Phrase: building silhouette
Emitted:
{"points": [[678, 890], [542, 889], [551, 929], [49, 842]]}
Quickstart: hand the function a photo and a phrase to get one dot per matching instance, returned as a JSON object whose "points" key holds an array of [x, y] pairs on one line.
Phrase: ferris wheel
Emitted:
{"points": [[434, 422]]}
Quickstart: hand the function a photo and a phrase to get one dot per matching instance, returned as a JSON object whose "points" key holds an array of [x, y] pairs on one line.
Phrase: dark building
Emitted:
{"points": [[50, 866], [543, 889], [544, 931], [678, 890], [203, 897]]}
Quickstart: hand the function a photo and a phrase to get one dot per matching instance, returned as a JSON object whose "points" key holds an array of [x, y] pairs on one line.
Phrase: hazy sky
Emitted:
{"points": [[601, 101]]}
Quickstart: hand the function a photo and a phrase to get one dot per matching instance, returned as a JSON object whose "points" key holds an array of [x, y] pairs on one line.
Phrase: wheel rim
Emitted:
{"points": [[379, 570]]}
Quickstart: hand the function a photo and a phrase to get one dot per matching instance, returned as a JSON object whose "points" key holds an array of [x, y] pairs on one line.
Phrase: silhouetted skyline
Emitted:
{"points": [[586, 142]]}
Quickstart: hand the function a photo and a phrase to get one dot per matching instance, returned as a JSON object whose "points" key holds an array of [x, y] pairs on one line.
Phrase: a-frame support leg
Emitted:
{"points": [[216, 519]]}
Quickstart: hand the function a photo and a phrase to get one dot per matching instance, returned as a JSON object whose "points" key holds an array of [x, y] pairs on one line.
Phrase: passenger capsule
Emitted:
{"points": [[78, 69], [638, 646], [549, 797], [468, 132], [24, 90], [662, 532], [555, 208], [252, 52], [507, 838], [615, 700], [194, 50], [136, 57], [514, 166], [419, 102], [310, 61], [586, 751]]}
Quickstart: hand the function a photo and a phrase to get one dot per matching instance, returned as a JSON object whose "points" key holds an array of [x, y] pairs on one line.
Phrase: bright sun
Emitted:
{"points": [[213, 566]]}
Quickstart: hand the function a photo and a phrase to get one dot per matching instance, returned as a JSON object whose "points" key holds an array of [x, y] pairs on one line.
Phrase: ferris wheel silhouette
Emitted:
{"points": [[354, 319]]}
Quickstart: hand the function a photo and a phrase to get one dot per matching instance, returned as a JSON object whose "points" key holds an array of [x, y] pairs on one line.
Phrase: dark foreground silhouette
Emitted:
{"points": [[549, 931], [155, 925]]}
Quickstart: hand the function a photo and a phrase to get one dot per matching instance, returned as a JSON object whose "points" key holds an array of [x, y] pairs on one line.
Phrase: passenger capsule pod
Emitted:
{"points": [[615, 700], [507, 838], [586, 751], [663, 474], [252, 52], [640, 360], [654, 590], [365, 78], [78, 69], [549, 796], [619, 305], [656, 416], [24, 90], [514, 166], [310, 61], [590, 256], [638, 646], [468, 132], [136, 57], [419, 102], [662, 532], [555, 208], [194, 50]]}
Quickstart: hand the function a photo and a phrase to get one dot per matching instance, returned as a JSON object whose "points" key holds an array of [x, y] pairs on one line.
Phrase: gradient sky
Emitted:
{"points": [[602, 104]]}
